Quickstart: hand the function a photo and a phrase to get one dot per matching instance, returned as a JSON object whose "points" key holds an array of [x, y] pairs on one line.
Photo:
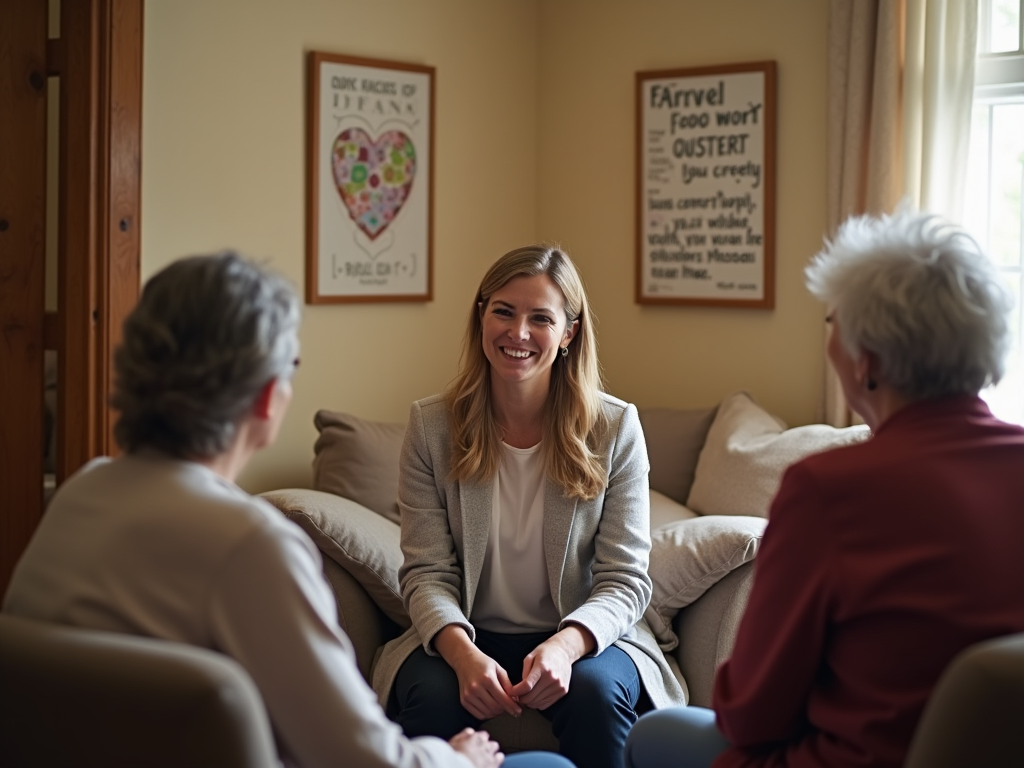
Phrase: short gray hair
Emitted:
{"points": [[208, 333], [917, 292]]}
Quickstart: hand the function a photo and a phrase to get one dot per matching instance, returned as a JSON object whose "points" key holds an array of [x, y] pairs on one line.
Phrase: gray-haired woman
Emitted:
{"points": [[883, 560], [160, 542]]}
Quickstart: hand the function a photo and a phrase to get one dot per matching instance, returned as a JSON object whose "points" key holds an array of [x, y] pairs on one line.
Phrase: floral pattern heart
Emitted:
{"points": [[373, 177]]}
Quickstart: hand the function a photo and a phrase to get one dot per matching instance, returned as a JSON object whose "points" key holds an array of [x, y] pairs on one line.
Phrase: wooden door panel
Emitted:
{"points": [[22, 261]]}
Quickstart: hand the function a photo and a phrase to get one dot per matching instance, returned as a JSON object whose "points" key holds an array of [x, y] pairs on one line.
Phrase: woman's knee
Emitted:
{"points": [[680, 737], [425, 675], [425, 698], [537, 760], [614, 679]]}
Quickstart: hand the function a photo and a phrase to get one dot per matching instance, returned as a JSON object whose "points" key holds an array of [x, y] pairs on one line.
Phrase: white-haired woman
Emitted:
{"points": [[883, 560], [161, 542], [526, 530]]}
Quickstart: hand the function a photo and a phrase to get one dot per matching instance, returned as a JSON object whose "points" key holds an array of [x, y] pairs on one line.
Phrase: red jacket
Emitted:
{"points": [[880, 562]]}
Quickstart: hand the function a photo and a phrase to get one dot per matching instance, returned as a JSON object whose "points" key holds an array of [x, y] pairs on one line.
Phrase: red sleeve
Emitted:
{"points": [[760, 694]]}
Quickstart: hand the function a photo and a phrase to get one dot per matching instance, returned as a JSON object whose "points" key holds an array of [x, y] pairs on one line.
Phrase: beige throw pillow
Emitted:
{"points": [[688, 557], [746, 453], [358, 459], [358, 539]]}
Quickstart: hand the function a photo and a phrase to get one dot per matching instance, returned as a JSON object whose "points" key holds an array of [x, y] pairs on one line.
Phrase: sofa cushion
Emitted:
{"points": [[358, 539], [688, 557], [358, 459], [746, 452], [674, 438], [665, 510]]}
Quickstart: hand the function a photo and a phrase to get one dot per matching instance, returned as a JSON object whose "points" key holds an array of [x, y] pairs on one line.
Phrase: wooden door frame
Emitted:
{"points": [[98, 241], [98, 58]]}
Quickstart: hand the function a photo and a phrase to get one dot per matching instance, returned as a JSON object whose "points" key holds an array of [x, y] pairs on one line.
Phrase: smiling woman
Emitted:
{"points": [[568, 394], [525, 328], [525, 530]]}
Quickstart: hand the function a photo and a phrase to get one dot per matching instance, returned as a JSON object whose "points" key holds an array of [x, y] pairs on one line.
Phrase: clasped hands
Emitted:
{"points": [[484, 686]]}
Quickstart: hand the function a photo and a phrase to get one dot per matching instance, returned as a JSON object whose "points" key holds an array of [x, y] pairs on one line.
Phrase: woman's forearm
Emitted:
{"points": [[452, 642], [576, 640]]}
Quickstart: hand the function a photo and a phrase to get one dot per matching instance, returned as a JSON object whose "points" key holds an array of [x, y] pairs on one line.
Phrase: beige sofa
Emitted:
{"points": [[713, 474]]}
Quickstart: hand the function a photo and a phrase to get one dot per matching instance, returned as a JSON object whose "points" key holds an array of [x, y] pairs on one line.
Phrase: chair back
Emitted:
{"points": [[975, 715], [71, 696]]}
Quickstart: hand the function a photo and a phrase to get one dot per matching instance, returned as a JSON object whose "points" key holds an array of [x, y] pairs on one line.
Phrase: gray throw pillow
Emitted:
{"points": [[358, 459], [359, 540], [674, 439]]}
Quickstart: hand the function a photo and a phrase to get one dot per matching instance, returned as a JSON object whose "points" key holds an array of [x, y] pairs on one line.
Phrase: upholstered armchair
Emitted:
{"points": [[82, 697]]}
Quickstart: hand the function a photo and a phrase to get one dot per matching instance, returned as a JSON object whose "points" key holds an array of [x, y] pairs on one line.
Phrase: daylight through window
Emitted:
{"points": [[994, 211]]}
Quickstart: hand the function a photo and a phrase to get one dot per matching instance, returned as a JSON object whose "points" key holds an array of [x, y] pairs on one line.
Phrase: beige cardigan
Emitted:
{"points": [[596, 551], [153, 546]]}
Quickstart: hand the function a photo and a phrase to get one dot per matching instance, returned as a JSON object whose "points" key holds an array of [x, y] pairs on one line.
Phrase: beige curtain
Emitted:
{"points": [[864, 128], [938, 93], [901, 84]]}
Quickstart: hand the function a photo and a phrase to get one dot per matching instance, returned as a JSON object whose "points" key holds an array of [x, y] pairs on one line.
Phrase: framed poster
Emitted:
{"points": [[705, 186], [370, 175]]}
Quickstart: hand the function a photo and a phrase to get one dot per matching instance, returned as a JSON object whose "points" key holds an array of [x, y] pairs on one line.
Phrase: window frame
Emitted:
{"points": [[999, 80]]}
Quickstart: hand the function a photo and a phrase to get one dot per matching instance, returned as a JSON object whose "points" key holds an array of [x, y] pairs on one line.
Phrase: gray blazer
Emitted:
{"points": [[596, 551]]}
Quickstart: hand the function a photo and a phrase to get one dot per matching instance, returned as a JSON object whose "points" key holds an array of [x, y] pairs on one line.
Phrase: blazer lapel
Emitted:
{"points": [[475, 502], [559, 512]]}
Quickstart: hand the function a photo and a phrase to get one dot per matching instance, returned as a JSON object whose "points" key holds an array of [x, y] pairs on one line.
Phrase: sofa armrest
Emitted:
{"points": [[707, 631], [361, 554], [365, 624]]}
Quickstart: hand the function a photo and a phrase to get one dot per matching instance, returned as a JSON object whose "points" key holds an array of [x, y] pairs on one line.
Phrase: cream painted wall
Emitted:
{"points": [[683, 356], [224, 116], [534, 139]]}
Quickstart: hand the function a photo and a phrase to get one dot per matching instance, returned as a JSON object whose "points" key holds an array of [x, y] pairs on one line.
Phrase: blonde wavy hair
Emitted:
{"points": [[574, 421]]}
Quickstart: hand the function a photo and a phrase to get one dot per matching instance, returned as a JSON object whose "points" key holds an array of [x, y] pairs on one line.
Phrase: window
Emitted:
{"points": [[994, 211]]}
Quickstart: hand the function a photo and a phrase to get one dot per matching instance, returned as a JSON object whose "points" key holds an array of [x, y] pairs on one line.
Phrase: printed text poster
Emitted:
{"points": [[706, 187]]}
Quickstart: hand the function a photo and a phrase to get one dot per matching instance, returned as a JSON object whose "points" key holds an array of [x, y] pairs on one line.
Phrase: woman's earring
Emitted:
{"points": [[565, 352]]}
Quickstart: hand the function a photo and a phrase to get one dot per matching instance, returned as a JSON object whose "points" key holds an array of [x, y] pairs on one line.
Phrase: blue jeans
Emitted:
{"points": [[536, 760], [591, 721], [677, 737]]}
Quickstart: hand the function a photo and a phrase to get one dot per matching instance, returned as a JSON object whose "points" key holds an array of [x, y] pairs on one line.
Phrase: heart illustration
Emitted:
{"points": [[373, 177]]}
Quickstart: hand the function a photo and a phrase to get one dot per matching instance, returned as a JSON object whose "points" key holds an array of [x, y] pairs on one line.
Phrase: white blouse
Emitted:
{"points": [[514, 595]]}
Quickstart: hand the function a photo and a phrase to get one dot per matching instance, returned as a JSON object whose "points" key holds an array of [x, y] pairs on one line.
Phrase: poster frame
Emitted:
{"points": [[319, 161], [643, 294]]}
